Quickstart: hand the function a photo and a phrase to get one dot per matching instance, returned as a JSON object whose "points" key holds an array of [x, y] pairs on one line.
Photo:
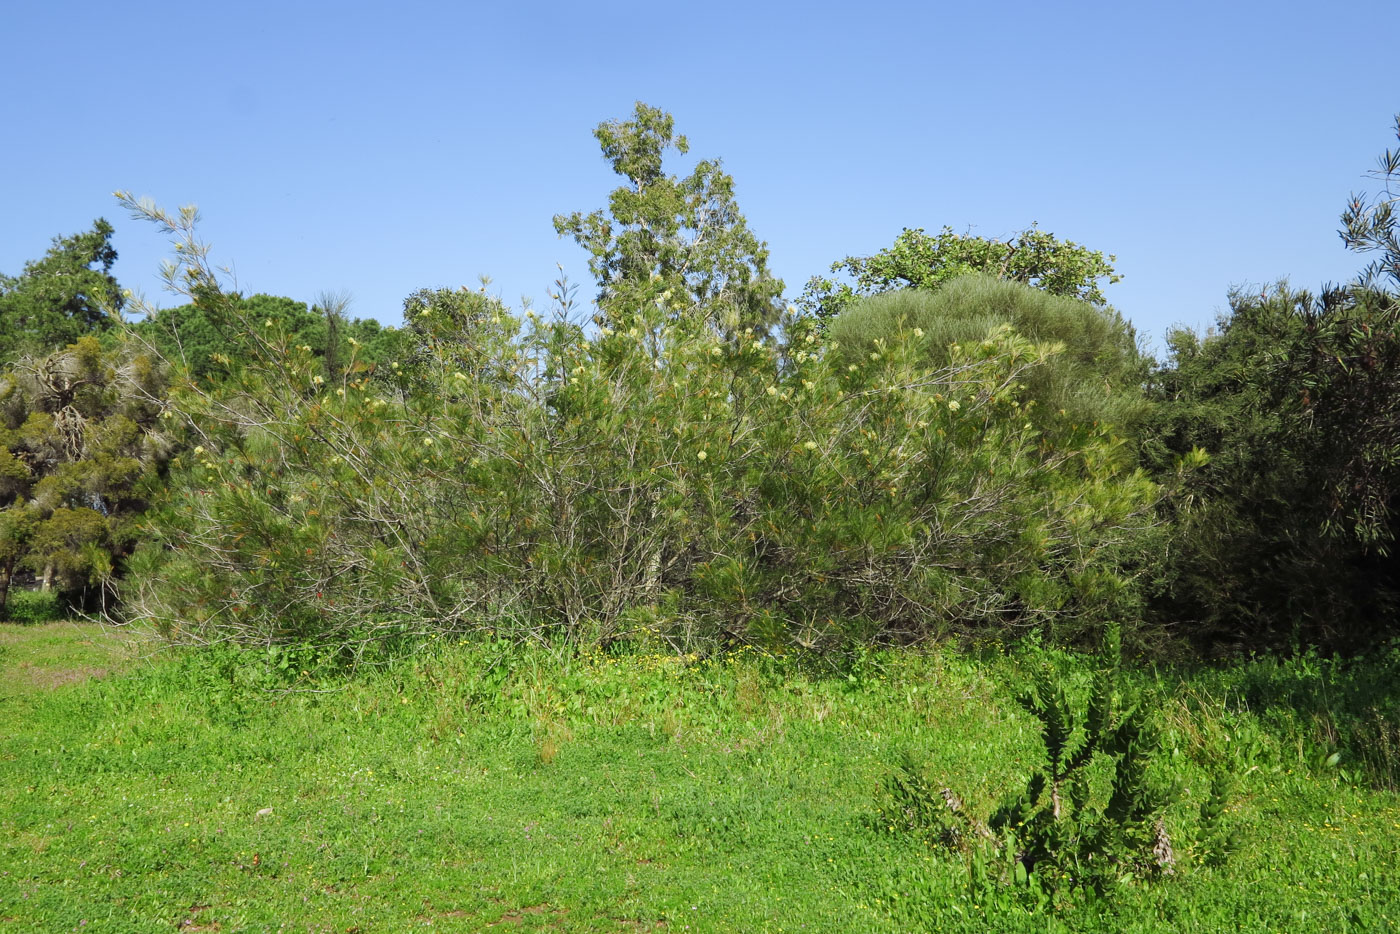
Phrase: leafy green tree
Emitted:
{"points": [[681, 241], [58, 299], [80, 444], [919, 261]]}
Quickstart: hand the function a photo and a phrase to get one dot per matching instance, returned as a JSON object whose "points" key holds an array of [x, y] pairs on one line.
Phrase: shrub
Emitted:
{"points": [[659, 479], [1097, 377]]}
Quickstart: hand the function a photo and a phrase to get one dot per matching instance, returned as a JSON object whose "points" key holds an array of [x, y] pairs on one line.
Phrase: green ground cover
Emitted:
{"points": [[474, 788]]}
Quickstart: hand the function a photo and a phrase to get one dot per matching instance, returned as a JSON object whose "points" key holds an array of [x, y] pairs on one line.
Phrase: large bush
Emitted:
{"points": [[1285, 537], [1096, 377], [651, 480]]}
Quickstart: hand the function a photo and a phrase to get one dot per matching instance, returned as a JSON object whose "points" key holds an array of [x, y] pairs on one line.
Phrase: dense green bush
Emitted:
{"points": [[652, 480], [1097, 376], [1284, 538]]}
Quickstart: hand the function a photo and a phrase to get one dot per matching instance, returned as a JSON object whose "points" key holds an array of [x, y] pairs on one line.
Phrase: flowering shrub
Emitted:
{"points": [[659, 479]]}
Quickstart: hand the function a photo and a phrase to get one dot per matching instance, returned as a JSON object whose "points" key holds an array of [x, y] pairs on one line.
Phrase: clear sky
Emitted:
{"points": [[379, 148]]}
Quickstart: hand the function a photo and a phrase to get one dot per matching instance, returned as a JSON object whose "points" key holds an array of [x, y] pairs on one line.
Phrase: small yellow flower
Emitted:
{"points": [[918, 332], [340, 392], [811, 338], [318, 379], [953, 405], [715, 351], [808, 385], [394, 365], [459, 375], [758, 346], [851, 368], [701, 455], [874, 355], [427, 442], [810, 445], [772, 390], [267, 323], [199, 449]]}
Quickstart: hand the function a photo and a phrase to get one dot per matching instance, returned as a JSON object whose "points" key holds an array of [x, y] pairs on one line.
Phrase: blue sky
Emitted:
{"points": [[380, 148]]}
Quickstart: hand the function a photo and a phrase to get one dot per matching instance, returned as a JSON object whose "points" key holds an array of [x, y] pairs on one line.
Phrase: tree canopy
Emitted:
{"points": [[61, 297], [680, 240]]}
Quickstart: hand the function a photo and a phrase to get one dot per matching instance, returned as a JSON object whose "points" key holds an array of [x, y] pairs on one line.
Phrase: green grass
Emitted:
{"points": [[470, 788]]}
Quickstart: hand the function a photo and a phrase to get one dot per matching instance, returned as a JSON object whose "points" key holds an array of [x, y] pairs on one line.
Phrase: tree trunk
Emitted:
{"points": [[6, 574]]}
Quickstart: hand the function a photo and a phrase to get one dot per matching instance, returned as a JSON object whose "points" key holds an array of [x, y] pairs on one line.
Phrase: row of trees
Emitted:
{"points": [[955, 434]]}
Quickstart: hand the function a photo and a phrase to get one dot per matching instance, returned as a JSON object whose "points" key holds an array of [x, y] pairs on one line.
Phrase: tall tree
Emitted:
{"points": [[62, 297], [80, 442], [682, 240]]}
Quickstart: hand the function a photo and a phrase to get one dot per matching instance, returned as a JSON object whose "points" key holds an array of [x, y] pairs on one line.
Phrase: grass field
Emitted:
{"points": [[473, 788]]}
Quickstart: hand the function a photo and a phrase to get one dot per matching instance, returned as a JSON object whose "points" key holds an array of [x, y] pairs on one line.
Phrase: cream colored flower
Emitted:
{"points": [[772, 390], [701, 455], [918, 332], [811, 338], [808, 385], [953, 405], [810, 445], [318, 379]]}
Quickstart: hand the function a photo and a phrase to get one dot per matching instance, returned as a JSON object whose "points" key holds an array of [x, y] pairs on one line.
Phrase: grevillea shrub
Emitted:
{"points": [[660, 479]]}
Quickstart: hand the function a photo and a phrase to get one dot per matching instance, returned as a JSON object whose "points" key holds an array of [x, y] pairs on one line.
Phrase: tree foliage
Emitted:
{"points": [[919, 261], [80, 445], [1285, 536], [683, 238], [58, 299], [200, 340]]}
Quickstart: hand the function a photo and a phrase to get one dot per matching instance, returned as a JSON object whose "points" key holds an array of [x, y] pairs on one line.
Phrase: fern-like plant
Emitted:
{"points": [[1089, 816]]}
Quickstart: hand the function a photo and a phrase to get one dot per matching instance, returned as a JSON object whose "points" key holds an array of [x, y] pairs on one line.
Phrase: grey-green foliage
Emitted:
{"points": [[1098, 376]]}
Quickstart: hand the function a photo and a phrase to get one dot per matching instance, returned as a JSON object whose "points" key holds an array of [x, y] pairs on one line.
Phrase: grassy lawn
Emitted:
{"points": [[470, 789]]}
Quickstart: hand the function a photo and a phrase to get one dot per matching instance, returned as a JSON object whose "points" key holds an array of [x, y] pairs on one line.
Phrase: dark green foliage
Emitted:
{"points": [[918, 261], [58, 299], [681, 241], [80, 448], [1097, 376], [1285, 536]]}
